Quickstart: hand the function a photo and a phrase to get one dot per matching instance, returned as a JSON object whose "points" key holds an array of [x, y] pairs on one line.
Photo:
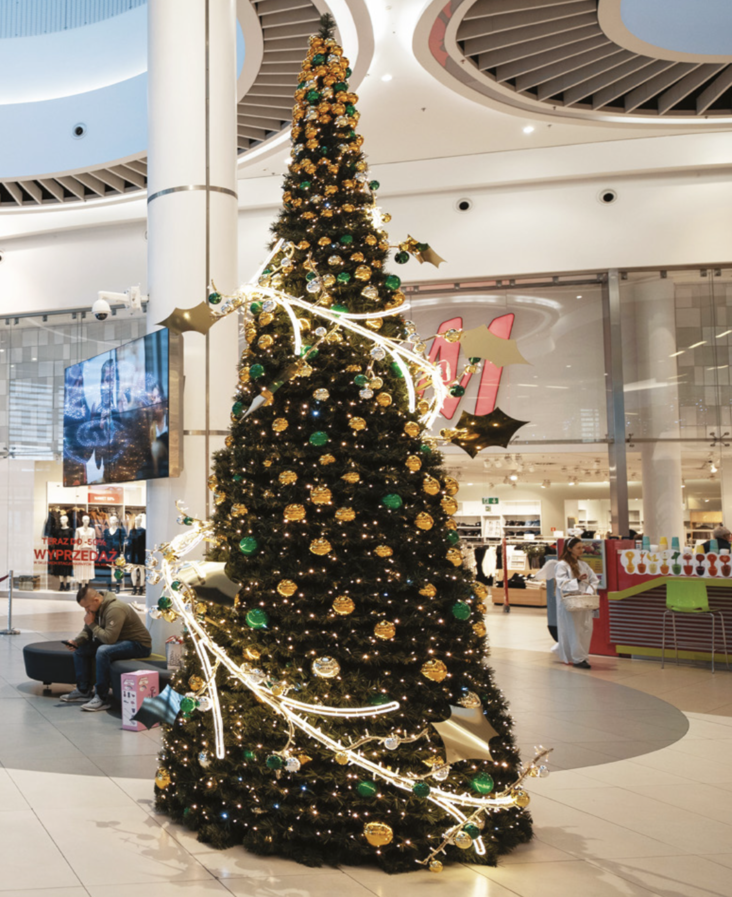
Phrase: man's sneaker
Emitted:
{"points": [[97, 703], [76, 697]]}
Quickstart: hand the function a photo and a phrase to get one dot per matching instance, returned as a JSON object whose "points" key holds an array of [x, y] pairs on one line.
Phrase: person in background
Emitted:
{"points": [[721, 534], [574, 629]]}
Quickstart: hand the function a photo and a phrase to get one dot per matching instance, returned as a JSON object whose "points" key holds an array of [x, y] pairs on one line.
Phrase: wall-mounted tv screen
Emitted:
{"points": [[121, 413]]}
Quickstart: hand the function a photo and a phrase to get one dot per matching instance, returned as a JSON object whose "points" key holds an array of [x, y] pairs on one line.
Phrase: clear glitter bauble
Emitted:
{"points": [[180, 520], [288, 247], [391, 743], [269, 305], [320, 331], [378, 352], [543, 772], [258, 676], [204, 759], [153, 578], [326, 93], [316, 200], [292, 764], [335, 260], [321, 395], [155, 614], [314, 286], [205, 703], [441, 773], [366, 393], [370, 293]]}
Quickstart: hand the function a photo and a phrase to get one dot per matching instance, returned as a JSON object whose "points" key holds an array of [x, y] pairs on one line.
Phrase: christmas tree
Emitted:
{"points": [[351, 626]]}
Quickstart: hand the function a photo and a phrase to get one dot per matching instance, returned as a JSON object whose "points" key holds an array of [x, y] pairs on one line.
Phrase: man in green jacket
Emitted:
{"points": [[112, 631]]}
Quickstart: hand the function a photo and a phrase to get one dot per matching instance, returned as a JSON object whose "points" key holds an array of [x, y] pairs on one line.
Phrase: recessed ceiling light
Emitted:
{"points": [[513, 477], [386, 77], [579, 297], [529, 129]]}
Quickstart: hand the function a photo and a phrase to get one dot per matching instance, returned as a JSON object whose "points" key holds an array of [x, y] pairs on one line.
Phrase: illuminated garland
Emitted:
{"points": [[183, 600]]}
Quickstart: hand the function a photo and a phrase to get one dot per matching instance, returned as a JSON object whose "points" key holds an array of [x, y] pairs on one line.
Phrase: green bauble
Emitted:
{"points": [[237, 478], [343, 277], [475, 359], [340, 87], [421, 789], [274, 761], [396, 370], [318, 59], [378, 699], [366, 788], [256, 371], [256, 306], [311, 275], [482, 783], [176, 585], [164, 603], [339, 309], [187, 521], [401, 258], [472, 830], [188, 705], [214, 298], [393, 282], [452, 537], [346, 239], [237, 408], [392, 501], [350, 109], [349, 72], [374, 185], [320, 437], [457, 390], [309, 351], [248, 546], [118, 574], [312, 96], [461, 610], [249, 754], [257, 618], [361, 380], [304, 185], [427, 449], [324, 150]]}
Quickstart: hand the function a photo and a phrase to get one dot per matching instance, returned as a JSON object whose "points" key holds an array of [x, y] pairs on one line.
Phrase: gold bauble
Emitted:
{"points": [[353, 368], [376, 382], [320, 546], [436, 866], [481, 608], [385, 630], [213, 483], [170, 616], [303, 244], [345, 514], [480, 590], [383, 551], [303, 758], [348, 207], [430, 485], [195, 683], [454, 555], [428, 590], [351, 477], [463, 840], [251, 652], [244, 376], [328, 280], [326, 667], [424, 521], [358, 257], [479, 629], [423, 406], [370, 240], [363, 272], [278, 689], [324, 241], [288, 477], [265, 318], [327, 459], [412, 428], [321, 395], [201, 608], [321, 495], [280, 424], [449, 505], [341, 758], [162, 779], [450, 524], [219, 498], [384, 399], [375, 324], [304, 325], [294, 512], [334, 337], [286, 587], [452, 486], [344, 605], [238, 510], [434, 670], [357, 423], [378, 833], [267, 462], [520, 798], [414, 463]]}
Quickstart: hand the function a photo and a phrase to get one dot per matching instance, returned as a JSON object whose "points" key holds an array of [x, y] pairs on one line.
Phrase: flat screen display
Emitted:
{"points": [[117, 415]]}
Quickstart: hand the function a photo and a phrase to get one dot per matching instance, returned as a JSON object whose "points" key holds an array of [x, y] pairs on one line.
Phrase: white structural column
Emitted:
{"points": [[658, 410], [192, 225]]}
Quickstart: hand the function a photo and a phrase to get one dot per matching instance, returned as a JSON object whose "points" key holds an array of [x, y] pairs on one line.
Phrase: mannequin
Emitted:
{"points": [[135, 554], [114, 540], [64, 553], [85, 553]]}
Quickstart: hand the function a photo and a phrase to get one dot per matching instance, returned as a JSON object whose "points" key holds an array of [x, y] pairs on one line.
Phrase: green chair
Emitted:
{"points": [[689, 597]]}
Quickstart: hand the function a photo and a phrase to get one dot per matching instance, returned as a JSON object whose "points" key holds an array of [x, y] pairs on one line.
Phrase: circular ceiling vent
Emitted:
{"points": [[577, 59]]}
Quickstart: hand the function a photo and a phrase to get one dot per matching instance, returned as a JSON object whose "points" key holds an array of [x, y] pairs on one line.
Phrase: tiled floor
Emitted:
{"points": [[639, 804]]}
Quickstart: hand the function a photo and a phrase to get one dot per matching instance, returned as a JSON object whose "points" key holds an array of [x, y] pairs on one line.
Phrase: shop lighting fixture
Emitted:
{"points": [[713, 468], [726, 333], [513, 477], [529, 129], [679, 353], [546, 484], [696, 345], [572, 482]]}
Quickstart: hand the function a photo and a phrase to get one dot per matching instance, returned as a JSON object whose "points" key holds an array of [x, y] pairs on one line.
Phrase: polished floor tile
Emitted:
{"points": [[29, 855], [684, 876]]}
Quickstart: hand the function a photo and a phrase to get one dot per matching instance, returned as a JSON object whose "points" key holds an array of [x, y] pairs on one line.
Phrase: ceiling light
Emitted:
{"points": [[529, 129], [546, 484], [713, 469], [513, 477], [726, 333], [579, 297], [696, 345], [386, 77], [572, 482]]}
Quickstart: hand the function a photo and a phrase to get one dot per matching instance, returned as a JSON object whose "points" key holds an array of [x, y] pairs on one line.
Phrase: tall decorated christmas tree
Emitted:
{"points": [[339, 708]]}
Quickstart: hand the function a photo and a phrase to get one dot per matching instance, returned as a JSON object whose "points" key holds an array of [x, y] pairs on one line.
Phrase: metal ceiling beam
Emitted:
{"points": [[575, 81], [656, 85], [54, 188], [630, 82], [532, 32], [492, 24], [129, 175], [711, 94], [33, 190], [93, 183], [267, 7], [137, 165], [498, 7], [531, 63], [532, 47], [571, 64], [110, 179], [15, 191], [687, 85], [290, 17], [622, 65], [73, 186]]}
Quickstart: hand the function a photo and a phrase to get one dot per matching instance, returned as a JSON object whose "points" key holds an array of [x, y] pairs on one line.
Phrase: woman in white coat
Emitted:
{"points": [[574, 629]]}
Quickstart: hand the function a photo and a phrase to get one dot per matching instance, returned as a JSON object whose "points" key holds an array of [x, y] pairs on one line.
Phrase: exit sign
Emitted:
{"points": [[491, 501]]}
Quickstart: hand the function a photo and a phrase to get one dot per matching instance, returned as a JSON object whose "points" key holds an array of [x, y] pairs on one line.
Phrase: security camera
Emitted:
{"points": [[101, 310], [464, 204]]}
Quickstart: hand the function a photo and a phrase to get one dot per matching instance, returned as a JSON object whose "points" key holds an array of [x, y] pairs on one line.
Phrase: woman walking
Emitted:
{"points": [[574, 629]]}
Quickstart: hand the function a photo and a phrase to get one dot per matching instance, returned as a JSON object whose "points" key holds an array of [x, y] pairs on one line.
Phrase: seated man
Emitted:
{"points": [[112, 631]]}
